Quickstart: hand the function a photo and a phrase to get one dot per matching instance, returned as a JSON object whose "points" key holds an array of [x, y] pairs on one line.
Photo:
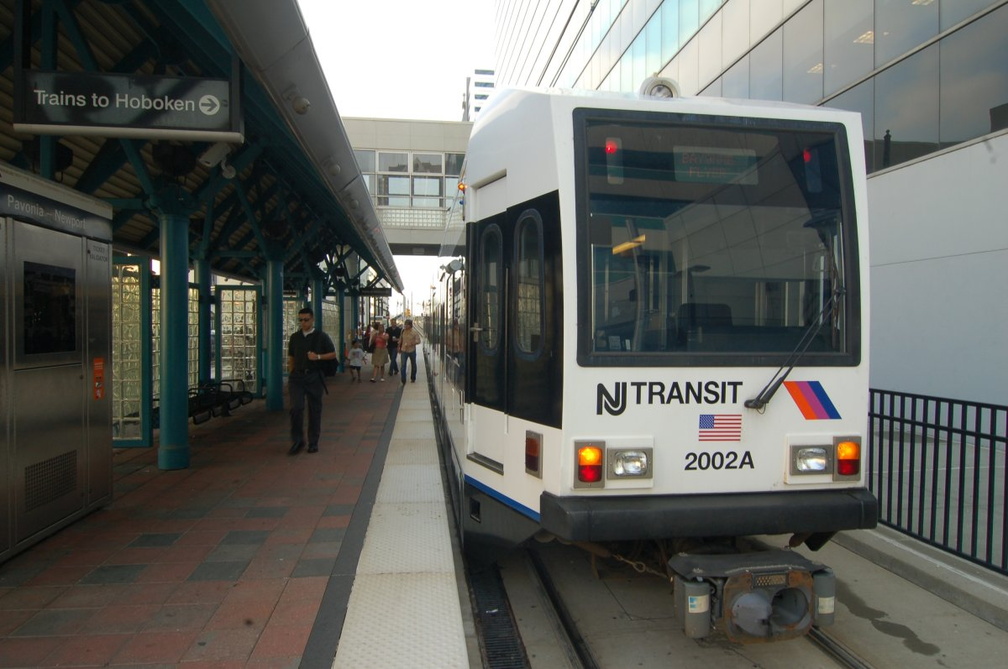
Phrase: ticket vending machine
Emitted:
{"points": [[55, 349]]}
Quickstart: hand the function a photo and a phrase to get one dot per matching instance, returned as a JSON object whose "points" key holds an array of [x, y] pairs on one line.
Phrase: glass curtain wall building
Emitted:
{"points": [[930, 80], [479, 86]]}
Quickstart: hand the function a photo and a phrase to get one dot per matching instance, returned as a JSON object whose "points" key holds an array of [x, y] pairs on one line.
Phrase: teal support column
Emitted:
{"points": [[317, 293], [342, 343], [354, 313], [173, 217], [202, 267], [276, 347]]}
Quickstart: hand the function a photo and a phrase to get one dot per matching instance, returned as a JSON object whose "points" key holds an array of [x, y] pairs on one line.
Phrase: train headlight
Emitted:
{"points": [[811, 459], [589, 463], [811, 463], [630, 463]]}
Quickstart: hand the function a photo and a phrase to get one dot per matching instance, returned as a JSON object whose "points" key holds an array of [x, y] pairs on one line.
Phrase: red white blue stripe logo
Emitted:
{"points": [[812, 400]]}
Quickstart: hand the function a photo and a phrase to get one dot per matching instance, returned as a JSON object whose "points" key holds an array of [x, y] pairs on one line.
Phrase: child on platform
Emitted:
{"points": [[355, 358]]}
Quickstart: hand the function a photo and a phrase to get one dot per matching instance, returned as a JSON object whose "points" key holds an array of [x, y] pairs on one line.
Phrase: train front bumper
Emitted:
{"points": [[605, 518]]}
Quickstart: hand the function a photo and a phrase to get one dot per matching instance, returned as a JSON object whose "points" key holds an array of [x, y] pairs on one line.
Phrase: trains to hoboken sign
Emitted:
{"points": [[117, 105]]}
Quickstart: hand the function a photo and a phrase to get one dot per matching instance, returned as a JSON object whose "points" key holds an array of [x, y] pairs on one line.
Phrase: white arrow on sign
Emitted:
{"points": [[209, 105]]}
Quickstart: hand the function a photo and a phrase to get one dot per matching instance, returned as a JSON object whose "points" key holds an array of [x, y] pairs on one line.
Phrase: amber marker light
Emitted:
{"points": [[848, 455], [589, 459]]}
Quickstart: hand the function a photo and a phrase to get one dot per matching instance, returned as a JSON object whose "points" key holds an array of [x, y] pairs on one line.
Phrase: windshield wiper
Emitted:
{"points": [[765, 395]]}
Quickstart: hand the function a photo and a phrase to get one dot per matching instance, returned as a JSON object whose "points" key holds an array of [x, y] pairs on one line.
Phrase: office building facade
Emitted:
{"points": [[930, 80], [479, 86]]}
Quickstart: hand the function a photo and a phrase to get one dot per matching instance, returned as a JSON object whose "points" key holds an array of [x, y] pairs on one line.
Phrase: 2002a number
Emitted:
{"points": [[705, 460]]}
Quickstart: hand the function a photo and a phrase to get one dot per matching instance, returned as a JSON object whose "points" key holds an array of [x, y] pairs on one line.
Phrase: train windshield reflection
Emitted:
{"points": [[714, 239]]}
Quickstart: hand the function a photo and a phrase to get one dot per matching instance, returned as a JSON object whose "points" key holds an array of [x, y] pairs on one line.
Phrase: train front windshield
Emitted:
{"points": [[710, 240]]}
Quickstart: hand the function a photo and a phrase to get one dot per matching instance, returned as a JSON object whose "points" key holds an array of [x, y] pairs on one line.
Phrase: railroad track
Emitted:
{"points": [[840, 653], [585, 649]]}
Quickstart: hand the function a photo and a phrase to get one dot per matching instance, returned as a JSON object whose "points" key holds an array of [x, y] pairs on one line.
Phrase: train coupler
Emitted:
{"points": [[752, 597]]}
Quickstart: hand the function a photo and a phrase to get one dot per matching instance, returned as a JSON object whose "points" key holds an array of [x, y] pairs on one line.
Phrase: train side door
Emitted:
{"points": [[516, 312], [487, 342], [534, 312]]}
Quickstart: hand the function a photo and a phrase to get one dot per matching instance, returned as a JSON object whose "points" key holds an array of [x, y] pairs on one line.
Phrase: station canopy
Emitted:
{"points": [[285, 186]]}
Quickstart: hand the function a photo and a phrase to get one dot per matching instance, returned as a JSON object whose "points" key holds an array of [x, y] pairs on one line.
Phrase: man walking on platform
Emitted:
{"points": [[305, 349], [394, 332], [407, 346]]}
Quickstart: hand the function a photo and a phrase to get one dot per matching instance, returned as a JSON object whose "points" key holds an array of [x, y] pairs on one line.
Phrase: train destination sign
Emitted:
{"points": [[117, 105], [715, 165]]}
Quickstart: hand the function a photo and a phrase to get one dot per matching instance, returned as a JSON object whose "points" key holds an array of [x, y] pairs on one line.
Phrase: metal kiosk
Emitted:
{"points": [[55, 355]]}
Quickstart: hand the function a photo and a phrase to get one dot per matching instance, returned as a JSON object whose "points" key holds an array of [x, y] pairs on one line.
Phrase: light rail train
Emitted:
{"points": [[652, 324]]}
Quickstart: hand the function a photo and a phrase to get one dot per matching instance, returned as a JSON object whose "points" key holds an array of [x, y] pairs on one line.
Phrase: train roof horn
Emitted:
{"points": [[659, 87]]}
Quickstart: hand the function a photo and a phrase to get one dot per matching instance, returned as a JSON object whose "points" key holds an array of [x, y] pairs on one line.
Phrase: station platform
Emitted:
{"points": [[255, 558], [342, 558]]}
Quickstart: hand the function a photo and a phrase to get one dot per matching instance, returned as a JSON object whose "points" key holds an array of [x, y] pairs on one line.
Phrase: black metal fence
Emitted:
{"points": [[938, 469]]}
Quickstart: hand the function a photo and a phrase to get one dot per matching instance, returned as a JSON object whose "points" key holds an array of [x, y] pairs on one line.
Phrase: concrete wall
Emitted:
{"points": [[939, 259], [406, 135]]}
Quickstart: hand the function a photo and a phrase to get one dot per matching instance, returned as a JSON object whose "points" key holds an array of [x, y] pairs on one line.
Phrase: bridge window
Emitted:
{"points": [[393, 191], [450, 189], [427, 192], [453, 164], [365, 160], [393, 162], [427, 163]]}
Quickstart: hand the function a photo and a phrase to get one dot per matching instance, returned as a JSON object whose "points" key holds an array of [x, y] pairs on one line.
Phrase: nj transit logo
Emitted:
{"points": [[614, 404], [812, 400], [664, 393]]}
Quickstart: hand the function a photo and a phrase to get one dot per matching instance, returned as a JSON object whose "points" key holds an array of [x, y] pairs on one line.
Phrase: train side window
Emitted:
{"points": [[490, 284], [529, 283], [50, 308]]}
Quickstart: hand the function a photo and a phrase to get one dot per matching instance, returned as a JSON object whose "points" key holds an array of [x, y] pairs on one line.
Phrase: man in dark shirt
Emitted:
{"points": [[394, 332], [305, 349]]}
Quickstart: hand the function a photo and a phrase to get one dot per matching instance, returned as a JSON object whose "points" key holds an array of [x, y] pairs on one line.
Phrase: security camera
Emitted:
{"points": [[300, 104], [214, 155]]}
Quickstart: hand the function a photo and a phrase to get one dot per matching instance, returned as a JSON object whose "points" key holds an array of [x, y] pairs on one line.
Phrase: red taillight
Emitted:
{"points": [[589, 459], [848, 458], [533, 453]]}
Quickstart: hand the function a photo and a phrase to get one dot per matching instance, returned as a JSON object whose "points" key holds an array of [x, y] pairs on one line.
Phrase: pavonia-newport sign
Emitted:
{"points": [[117, 105]]}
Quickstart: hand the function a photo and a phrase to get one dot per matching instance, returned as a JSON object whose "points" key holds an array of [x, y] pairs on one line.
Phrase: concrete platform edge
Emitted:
{"points": [[320, 649], [980, 591]]}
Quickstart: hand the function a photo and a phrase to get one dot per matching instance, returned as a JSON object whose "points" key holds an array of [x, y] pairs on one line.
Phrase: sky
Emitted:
{"points": [[400, 58], [405, 59]]}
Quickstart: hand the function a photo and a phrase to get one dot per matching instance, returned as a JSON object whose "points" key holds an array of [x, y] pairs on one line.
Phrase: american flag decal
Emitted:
{"points": [[720, 427]]}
